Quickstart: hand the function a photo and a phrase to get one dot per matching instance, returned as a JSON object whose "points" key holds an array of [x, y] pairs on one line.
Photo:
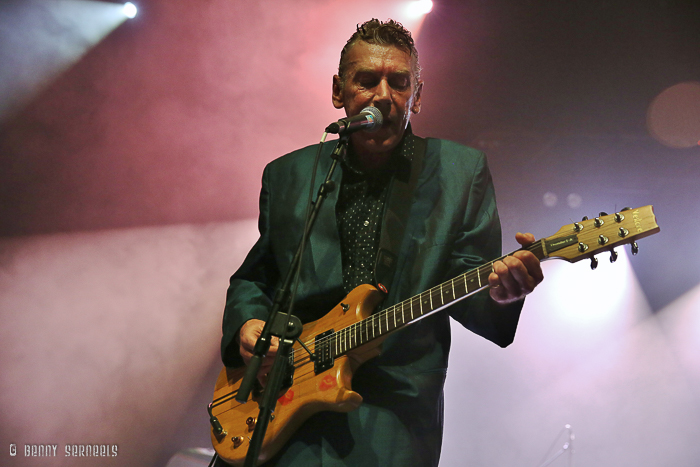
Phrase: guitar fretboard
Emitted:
{"points": [[414, 308]]}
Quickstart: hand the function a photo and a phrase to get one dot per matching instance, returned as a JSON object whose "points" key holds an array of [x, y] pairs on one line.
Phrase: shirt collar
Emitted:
{"points": [[401, 156]]}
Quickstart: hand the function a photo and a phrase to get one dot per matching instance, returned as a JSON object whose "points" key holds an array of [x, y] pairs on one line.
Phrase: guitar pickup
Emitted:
{"points": [[323, 355]]}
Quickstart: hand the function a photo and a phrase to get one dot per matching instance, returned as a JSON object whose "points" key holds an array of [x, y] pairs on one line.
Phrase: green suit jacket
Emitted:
{"points": [[452, 227]]}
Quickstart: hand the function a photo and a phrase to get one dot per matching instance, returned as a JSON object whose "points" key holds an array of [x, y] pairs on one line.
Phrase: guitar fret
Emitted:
{"points": [[454, 297], [430, 294], [411, 309]]}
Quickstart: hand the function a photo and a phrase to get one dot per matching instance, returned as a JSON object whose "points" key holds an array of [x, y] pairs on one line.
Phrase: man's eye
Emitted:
{"points": [[368, 82], [400, 82]]}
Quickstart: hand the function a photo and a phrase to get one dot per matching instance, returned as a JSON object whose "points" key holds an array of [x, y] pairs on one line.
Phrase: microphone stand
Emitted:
{"points": [[568, 446], [285, 326]]}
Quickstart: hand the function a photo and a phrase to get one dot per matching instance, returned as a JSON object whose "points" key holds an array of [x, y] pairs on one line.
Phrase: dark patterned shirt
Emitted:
{"points": [[359, 214]]}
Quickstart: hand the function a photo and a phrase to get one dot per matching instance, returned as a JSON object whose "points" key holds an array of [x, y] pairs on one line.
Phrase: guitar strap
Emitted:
{"points": [[398, 204]]}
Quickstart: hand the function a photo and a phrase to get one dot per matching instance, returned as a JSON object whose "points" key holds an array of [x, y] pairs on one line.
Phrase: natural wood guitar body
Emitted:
{"points": [[311, 393]]}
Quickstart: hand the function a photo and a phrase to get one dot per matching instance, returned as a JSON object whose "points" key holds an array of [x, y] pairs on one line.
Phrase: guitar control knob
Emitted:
{"points": [[251, 423], [635, 248], [237, 441], [613, 256], [594, 263]]}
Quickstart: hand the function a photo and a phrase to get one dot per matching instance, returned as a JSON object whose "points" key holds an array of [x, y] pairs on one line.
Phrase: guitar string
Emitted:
{"points": [[391, 312], [352, 331], [374, 322]]}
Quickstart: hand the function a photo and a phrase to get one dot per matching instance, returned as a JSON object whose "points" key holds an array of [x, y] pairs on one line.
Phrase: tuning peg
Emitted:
{"points": [[598, 221], [584, 218], [613, 256], [594, 263], [635, 248], [626, 208], [619, 217]]}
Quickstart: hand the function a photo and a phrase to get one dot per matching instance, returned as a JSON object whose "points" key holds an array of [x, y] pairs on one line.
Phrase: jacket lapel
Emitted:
{"points": [[324, 241]]}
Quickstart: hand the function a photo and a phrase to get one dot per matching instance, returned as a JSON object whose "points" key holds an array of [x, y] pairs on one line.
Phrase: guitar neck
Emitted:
{"points": [[419, 306]]}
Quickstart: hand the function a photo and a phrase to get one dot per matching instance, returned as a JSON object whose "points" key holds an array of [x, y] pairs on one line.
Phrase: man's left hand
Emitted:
{"points": [[515, 276]]}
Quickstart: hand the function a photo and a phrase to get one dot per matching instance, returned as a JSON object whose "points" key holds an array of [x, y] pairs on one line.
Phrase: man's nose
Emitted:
{"points": [[383, 92]]}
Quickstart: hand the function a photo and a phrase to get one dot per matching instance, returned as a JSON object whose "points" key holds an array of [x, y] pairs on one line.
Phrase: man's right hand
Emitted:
{"points": [[247, 337]]}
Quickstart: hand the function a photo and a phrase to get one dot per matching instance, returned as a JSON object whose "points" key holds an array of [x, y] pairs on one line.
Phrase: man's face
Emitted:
{"points": [[380, 76]]}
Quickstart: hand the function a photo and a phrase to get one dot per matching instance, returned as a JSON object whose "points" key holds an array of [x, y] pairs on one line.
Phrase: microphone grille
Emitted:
{"points": [[376, 115]]}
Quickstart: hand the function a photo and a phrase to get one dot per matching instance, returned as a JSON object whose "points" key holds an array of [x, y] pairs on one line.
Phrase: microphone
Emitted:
{"points": [[370, 119]]}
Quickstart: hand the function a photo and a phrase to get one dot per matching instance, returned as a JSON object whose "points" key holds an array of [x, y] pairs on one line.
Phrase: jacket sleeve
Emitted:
{"points": [[249, 295], [477, 242]]}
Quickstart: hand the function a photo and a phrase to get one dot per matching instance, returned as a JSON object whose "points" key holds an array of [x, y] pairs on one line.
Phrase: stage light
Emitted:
{"points": [[130, 10], [673, 117], [42, 39], [419, 8]]}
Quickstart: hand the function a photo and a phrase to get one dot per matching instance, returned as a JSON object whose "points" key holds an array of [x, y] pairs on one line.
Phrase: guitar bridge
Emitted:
{"points": [[323, 356]]}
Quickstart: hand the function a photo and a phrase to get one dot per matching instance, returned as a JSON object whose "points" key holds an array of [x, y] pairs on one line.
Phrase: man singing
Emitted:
{"points": [[441, 196]]}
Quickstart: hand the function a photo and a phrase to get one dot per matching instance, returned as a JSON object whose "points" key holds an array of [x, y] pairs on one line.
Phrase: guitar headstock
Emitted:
{"points": [[589, 237]]}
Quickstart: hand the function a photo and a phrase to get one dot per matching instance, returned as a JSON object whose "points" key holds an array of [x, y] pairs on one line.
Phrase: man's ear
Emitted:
{"points": [[338, 101], [415, 108]]}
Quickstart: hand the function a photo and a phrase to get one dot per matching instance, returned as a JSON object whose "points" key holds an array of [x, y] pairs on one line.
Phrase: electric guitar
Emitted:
{"points": [[350, 334]]}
